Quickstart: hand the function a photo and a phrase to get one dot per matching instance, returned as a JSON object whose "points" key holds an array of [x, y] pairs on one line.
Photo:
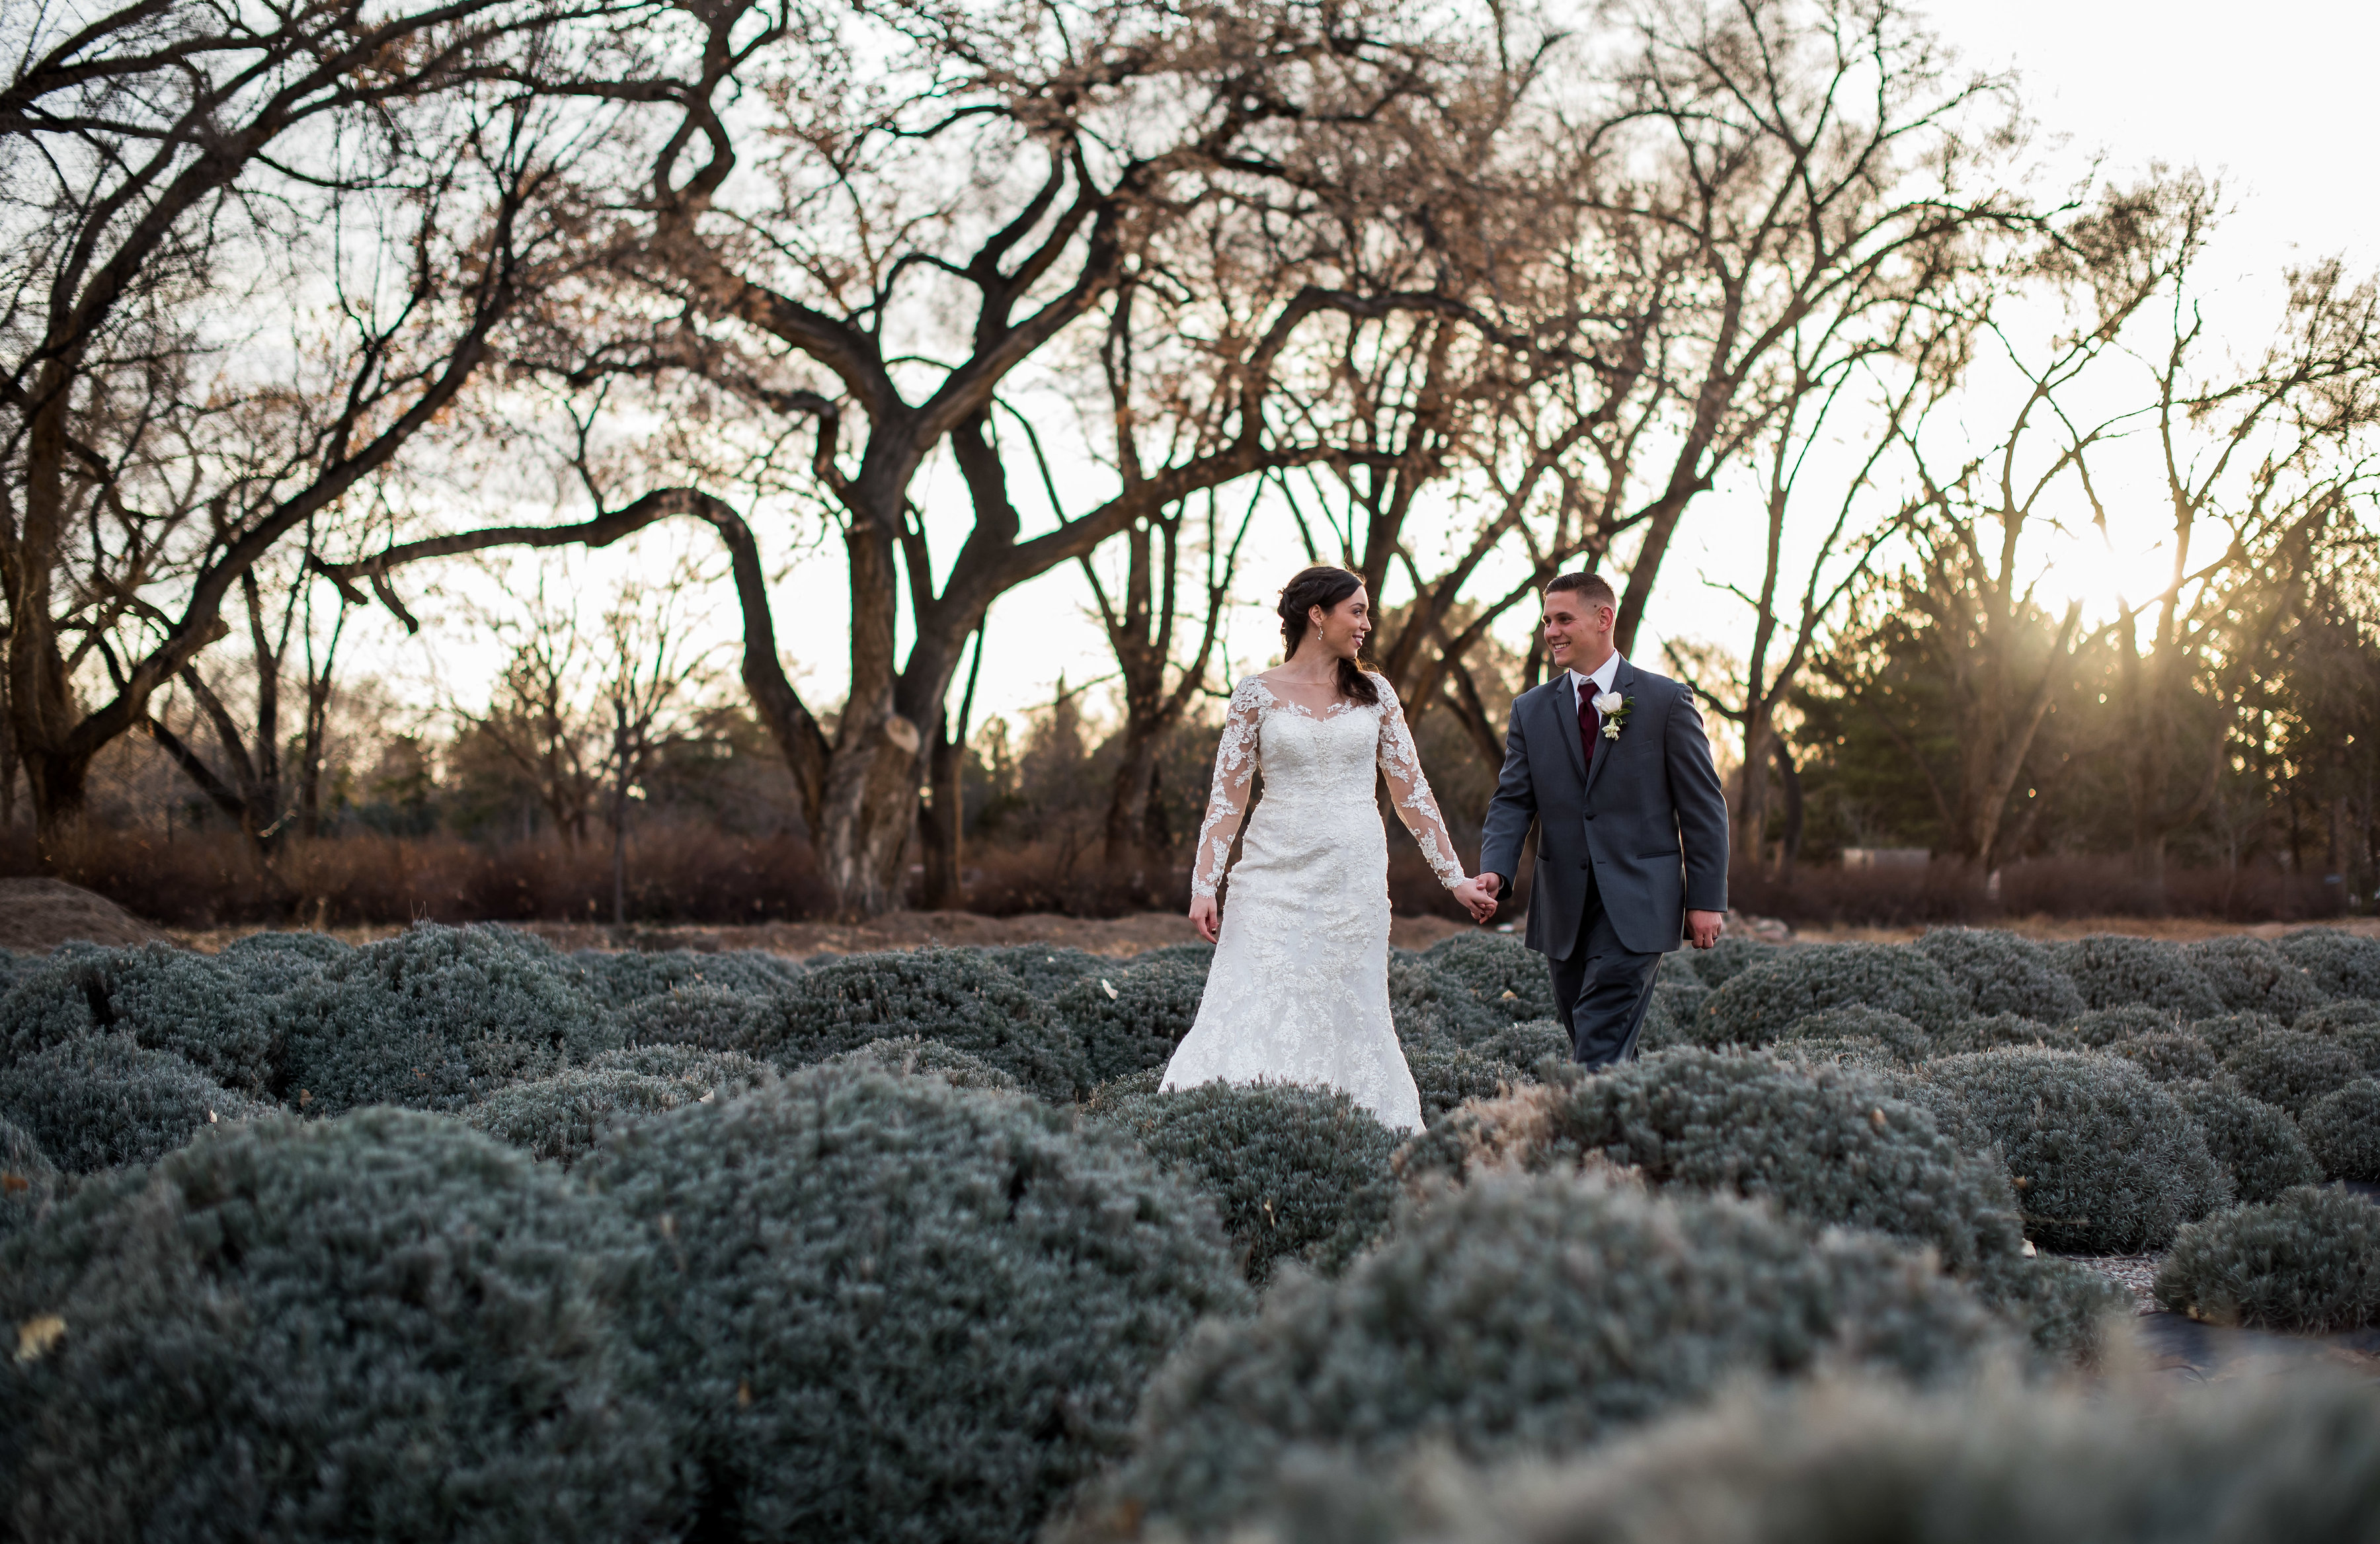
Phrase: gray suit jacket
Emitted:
{"points": [[1649, 819]]}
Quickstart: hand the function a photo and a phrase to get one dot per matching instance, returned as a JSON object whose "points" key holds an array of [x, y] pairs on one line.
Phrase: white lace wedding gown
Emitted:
{"points": [[1299, 990]]}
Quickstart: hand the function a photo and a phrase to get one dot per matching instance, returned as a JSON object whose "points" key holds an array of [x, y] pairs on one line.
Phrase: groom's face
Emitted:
{"points": [[1578, 632]]}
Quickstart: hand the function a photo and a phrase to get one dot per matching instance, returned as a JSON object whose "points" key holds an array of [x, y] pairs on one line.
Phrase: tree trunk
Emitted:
{"points": [[1789, 849], [1752, 814], [1127, 818]]}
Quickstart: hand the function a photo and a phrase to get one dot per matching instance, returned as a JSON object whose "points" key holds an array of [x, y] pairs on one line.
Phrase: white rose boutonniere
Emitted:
{"points": [[1614, 708]]}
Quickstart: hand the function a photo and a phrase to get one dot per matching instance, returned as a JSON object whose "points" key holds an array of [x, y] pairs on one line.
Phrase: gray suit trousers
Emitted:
{"points": [[1603, 989]]}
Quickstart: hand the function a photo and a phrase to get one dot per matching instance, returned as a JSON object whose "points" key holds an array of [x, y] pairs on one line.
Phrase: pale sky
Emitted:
{"points": [[2273, 101]]}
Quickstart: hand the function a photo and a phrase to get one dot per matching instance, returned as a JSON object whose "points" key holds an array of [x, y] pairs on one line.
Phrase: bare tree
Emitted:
{"points": [[654, 681]]}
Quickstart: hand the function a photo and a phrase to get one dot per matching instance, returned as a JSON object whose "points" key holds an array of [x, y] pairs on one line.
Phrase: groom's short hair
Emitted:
{"points": [[1592, 588]]}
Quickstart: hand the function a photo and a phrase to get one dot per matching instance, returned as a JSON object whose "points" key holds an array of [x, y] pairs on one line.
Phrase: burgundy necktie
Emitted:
{"points": [[1587, 722]]}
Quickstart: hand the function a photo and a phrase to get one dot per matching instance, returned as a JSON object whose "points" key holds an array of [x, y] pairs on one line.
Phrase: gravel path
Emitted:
{"points": [[2135, 1273]]}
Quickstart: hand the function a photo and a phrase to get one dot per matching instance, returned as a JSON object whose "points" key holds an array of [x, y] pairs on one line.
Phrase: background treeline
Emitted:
{"points": [[304, 308]]}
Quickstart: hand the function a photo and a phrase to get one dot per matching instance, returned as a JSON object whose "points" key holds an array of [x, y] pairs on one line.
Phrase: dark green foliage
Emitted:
{"points": [[957, 996], [1046, 970], [2342, 964], [2353, 1023], [1430, 1008], [2239, 1463], [2103, 1027], [1999, 972], [1449, 1076], [724, 1073], [1757, 1005], [1989, 1034], [168, 999], [912, 1056], [383, 1327], [1525, 1045], [1297, 1172], [436, 1018], [105, 1101], [2170, 1056], [1200, 954], [1730, 957], [562, 1118], [1498, 970], [1519, 1314], [1671, 1017], [269, 963], [1842, 1051], [2343, 1131], [2307, 1259], [2064, 1307], [2114, 972], [623, 977], [2228, 1032], [718, 1018], [28, 1184], [2104, 1162], [1129, 1019], [1826, 1143], [2251, 975], [890, 1309], [2258, 1146], [2290, 1068], [1903, 1038]]}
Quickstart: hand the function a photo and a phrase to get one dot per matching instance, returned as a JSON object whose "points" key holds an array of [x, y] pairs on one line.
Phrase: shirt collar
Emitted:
{"points": [[1601, 680]]}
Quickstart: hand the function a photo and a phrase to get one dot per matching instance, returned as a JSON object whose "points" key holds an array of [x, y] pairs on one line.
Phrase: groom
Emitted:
{"points": [[1612, 764]]}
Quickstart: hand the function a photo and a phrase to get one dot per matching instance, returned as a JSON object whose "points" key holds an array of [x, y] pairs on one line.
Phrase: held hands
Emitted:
{"points": [[1478, 896], [1202, 917], [1702, 928]]}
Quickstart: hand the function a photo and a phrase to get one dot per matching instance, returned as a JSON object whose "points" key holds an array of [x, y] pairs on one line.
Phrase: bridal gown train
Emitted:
{"points": [[1299, 988]]}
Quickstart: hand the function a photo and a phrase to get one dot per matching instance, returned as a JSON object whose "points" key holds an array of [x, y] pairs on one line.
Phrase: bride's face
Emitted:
{"points": [[1343, 628]]}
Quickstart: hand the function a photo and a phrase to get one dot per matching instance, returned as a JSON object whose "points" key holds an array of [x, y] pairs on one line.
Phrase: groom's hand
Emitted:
{"points": [[1476, 897], [1702, 928], [1491, 883]]}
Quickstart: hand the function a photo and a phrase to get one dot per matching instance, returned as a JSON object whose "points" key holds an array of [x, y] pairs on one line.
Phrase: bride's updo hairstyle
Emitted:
{"points": [[1325, 585]]}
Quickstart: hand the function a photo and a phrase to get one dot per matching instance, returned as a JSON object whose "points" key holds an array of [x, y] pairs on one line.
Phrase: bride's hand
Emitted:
{"points": [[1202, 915], [1476, 899]]}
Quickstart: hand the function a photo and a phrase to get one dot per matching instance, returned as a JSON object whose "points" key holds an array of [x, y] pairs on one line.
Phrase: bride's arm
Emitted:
{"points": [[1227, 801], [1416, 805]]}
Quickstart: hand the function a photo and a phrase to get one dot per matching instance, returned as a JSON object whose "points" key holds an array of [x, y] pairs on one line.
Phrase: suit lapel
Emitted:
{"points": [[1563, 698], [1622, 679]]}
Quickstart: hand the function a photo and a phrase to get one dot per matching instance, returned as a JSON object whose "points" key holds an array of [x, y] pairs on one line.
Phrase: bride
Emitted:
{"points": [[1299, 990]]}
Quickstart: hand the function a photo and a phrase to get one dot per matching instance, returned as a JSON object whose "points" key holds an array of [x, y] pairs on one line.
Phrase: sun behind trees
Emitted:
{"points": [[929, 310]]}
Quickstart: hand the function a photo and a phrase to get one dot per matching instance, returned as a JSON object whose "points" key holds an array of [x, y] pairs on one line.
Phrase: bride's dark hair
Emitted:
{"points": [[1325, 585]]}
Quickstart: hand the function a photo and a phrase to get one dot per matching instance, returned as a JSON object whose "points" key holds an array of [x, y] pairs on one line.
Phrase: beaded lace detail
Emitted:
{"points": [[1298, 990]]}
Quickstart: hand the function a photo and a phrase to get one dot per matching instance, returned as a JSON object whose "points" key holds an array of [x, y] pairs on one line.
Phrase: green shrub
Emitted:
{"points": [[2103, 1028], [2291, 1069], [1730, 957], [1296, 1171], [625, 976], [1130, 1019], [1824, 1143], [1671, 1017], [2225, 1033], [2342, 964], [2307, 1259], [1500, 971], [957, 996], [273, 963], [2343, 1130], [2104, 1162], [2171, 1056], [28, 1184], [891, 1310], [1999, 972], [1905, 1039], [717, 1018], [168, 999], [1432, 1009], [435, 1018], [2353, 1023], [913, 1056], [1520, 1315], [1525, 1045], [562, 1118], [1045, 970], [1756, 1006], [2269, 1458], [1200, 954], [382, 1327], [2258, 1146], [2113, 971], [725, 1073], [1999, 1029], [2251, 975], [1447, 1078], [104, 1102], [1848, 1050]]}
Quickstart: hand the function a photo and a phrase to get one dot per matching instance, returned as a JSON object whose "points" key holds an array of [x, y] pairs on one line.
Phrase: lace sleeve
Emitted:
{"points": [[1227, 802], [1400, 764]]}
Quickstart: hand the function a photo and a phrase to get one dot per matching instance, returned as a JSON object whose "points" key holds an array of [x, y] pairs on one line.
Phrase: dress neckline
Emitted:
{"points": [[1339, 709]]}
